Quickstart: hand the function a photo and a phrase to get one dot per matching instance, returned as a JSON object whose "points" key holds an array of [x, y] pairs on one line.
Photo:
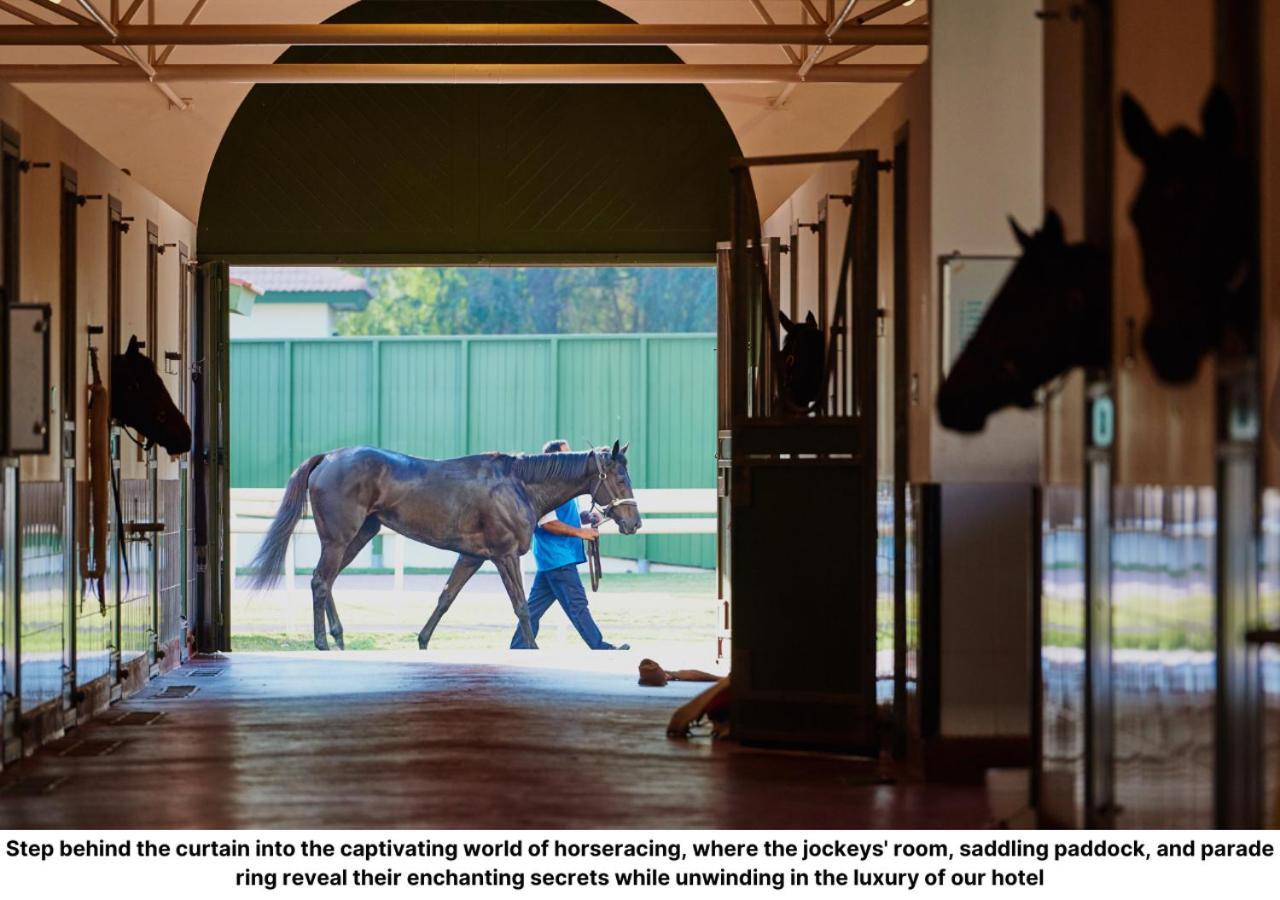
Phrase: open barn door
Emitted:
{"points": [[799, 457], [210, 470]]}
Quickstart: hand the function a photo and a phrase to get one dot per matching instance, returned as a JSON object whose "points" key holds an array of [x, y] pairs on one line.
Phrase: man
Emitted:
{"points": [[557, 550]]}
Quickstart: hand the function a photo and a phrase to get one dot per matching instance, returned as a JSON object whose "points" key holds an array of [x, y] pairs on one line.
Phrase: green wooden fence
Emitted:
{"points": [[450, 396]]}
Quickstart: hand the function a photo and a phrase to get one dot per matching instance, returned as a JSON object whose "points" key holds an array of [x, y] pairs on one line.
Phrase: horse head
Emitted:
{"points": [[139, 401], [613, 491], [1191, 213], [802, 367], [1049, 316]]}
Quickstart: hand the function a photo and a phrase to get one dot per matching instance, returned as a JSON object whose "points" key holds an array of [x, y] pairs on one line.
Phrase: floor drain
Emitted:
{"points": [[87, 748], [203, 673], [33, 785], [176, 692], [136, 718]]}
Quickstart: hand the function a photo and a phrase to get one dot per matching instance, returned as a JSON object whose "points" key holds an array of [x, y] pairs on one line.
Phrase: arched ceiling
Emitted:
{"points": [[171, 152]]}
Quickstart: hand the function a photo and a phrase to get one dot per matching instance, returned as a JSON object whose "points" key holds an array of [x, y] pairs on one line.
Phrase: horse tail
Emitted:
{"points": [[268, 563]]}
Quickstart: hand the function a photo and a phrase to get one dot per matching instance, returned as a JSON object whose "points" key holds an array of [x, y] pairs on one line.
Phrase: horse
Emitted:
{"points": [[1193, 215], [1050, 315], [482, 507], [140, 401], [802, 367]]}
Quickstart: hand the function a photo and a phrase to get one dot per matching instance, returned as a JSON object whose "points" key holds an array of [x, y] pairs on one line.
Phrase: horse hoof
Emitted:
{"points": [[322, 645], [337, 640]]}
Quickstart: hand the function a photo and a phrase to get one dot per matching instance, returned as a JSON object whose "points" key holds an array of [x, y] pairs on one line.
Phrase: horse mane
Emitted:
{"points": [[535, 467]]}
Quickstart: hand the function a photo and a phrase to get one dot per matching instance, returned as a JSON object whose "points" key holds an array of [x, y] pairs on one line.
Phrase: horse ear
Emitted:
{"points": [[1024, 239], [1052, 228], [810, 320], [1219, 120], [133, 344], [1140, 136], [614, 454], [787, 324]]}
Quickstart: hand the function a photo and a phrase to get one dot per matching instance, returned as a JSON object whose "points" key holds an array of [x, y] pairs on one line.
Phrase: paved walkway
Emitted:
{"points": [[492, 740]]}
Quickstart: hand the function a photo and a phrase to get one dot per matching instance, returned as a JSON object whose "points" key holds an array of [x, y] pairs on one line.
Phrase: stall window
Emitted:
{"points": [[153, 290], [184, 324], [9, 171], [115, 234], [70, 209]]}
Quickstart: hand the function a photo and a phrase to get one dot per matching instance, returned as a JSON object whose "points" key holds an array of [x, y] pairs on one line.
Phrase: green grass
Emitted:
{"points": [[657, 607]]}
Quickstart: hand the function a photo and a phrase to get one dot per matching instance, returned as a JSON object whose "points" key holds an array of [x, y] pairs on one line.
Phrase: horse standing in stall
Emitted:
{"points": [[1050, 315], [1192, 215], [482, 507], [139, 400]]}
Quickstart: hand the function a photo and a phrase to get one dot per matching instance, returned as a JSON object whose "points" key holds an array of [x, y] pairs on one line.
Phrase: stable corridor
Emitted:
{"points": [[381, 740]]}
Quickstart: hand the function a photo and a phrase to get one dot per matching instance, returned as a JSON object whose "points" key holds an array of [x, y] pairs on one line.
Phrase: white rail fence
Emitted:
{"points": [[253, 508]]}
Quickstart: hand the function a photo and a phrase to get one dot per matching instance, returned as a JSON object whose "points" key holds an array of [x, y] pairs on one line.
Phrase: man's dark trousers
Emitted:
{"points": [[562, 584]]}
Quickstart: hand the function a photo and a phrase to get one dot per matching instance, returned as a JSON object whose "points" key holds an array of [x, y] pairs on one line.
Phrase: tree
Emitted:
{"points": [[536, 300]]}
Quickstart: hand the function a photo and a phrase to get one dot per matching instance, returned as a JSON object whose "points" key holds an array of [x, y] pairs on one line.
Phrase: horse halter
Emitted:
{"points": [[601, 482]]}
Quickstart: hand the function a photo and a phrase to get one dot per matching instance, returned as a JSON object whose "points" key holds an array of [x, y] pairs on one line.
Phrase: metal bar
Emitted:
{"points": [[128, 14], [854, 51], [39, 22], [88, 7], [768, 20], [360, 73], [875, 11], [466, 35], [795, 159], [191, 17], [64, 12], [813, 11], [811, 58]]}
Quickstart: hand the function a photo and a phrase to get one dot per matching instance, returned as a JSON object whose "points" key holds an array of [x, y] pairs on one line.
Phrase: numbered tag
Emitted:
{"points": [[1102, 418]]}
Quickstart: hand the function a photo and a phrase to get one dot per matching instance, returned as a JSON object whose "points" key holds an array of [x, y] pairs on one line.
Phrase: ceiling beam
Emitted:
{"points": [[147, 70], [15, 11], [385, 73], [466, 35]]}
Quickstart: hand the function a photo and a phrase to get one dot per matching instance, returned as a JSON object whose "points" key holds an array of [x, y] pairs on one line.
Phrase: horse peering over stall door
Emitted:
{"points": [[801, 484]]}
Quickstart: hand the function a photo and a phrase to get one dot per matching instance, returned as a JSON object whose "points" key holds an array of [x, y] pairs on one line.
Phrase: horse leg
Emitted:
{"points": [[363, 536], [509, 569], [463, 569], [322, 590]]}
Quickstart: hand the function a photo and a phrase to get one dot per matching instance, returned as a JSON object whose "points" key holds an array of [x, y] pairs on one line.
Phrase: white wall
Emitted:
{"points": [[986, 63], [285, 320]]}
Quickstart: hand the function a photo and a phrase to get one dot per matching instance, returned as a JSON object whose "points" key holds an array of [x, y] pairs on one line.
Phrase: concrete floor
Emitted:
{"points": [[499, 740]]}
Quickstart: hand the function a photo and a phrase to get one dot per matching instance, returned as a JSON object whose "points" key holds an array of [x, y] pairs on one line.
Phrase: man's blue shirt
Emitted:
{"points": [[552, 551]]}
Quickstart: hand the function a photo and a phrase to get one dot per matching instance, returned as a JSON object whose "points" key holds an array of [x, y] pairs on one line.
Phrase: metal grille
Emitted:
{"points": [[1269, 608], [4, 603], [41, 594], [95, 630], [177, 692], [1062, 656], [884, 593], [1163, 656], [135, 593], [169, 562], [137, 719]]}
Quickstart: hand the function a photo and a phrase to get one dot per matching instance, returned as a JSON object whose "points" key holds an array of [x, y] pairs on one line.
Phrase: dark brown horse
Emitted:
{"points": [[481, 507], [139, 401], [1050, 316], [1193, 213]]}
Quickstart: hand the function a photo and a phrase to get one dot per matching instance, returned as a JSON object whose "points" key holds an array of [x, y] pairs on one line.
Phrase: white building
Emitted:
{"points": [[296, 301]]}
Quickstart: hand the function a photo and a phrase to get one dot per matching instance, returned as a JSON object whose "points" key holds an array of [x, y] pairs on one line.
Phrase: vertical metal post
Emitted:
{"points": [[1239, 778], [153, 547], [70, 566], [11, 639]]}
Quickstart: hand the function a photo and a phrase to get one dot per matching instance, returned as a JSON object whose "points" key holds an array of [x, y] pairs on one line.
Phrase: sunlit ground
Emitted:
{"points": [[670, 616]]}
